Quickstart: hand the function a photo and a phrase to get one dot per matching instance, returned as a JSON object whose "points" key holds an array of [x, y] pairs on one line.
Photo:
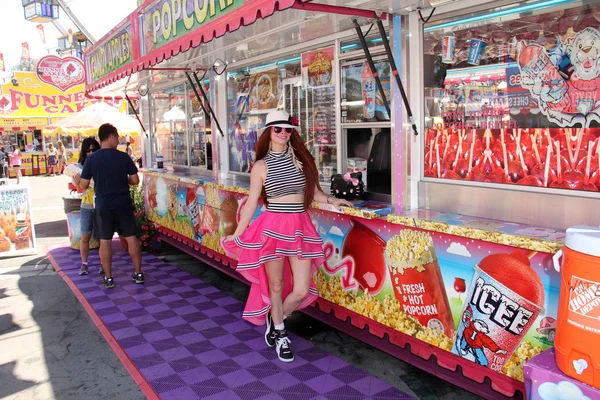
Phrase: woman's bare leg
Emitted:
{"points": [[301, 269], [274, 270], [18, 174]]}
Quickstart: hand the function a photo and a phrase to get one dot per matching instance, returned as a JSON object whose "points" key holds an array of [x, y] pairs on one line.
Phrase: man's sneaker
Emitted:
{"points": [[83, 270], [138, 277], [101, 271], [108, 282], [270, 336], [284, 352]]}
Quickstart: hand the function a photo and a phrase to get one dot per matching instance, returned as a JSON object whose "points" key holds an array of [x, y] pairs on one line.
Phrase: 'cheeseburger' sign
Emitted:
{"points": [[111, 54]]}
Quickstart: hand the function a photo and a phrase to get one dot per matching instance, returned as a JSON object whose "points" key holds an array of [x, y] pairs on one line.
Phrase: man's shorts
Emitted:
{"points": [[120, 220], [87, 220]]}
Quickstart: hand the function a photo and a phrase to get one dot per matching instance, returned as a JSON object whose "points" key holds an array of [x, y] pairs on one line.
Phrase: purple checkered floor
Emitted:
{"points": [[189, 341]]}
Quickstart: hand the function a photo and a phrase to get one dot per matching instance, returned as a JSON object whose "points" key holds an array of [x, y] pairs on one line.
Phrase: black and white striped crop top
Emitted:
{"points": [[282, 176]]}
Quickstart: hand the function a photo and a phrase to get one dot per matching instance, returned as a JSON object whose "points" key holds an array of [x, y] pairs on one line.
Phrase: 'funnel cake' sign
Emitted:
{"points": [[564, 81], [62, 73]]}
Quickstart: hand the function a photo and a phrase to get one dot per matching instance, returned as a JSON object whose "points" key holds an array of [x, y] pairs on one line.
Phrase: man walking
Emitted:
{"points": [[113, 172]]}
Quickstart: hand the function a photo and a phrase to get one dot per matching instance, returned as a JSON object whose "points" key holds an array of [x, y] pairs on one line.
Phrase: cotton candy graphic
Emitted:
{"points": [[162, 193], [562, 391]]}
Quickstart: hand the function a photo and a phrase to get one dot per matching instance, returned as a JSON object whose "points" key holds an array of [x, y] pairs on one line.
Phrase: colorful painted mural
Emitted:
{"points": [[485, 302]]}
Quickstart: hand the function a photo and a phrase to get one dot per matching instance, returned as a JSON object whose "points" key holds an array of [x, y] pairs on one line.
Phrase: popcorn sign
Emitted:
{"points": [[417, 280]]}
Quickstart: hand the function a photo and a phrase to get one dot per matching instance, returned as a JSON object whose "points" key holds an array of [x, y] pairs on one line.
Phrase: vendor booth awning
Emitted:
{"points": [[244, 15], [87, 121], [169, 30]]}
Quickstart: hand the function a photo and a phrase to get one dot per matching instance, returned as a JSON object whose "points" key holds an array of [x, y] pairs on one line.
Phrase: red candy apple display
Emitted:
{"points": [[560, 158]]}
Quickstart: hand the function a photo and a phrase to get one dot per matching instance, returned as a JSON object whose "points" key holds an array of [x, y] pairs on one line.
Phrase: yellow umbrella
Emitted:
{"points": [[88, 120]]}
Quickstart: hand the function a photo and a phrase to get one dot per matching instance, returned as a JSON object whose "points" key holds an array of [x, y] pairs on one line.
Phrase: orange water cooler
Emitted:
{"points": [[577, 342]]}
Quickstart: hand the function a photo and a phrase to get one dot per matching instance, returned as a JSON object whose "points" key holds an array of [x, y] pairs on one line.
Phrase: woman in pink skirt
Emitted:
{"points": [[281, 251]]}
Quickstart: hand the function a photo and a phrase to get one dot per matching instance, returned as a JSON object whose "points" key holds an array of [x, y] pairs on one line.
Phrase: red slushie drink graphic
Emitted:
{"points": [[505, 298], [369, 92], [417, 280]]}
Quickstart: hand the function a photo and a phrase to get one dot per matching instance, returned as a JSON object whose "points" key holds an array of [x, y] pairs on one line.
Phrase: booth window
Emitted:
{"points": [[361, 100], [67, 141], [200, 133], [169, 125], [515, 99], [366, 124], [38, 141], [253, 92]]}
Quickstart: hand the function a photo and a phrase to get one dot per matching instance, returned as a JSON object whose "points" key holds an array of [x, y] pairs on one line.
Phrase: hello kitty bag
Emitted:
{"points": [[348, 186]]}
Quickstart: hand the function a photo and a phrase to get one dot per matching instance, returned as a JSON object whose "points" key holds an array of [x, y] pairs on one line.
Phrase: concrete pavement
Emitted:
{"points": [[49, 346]]}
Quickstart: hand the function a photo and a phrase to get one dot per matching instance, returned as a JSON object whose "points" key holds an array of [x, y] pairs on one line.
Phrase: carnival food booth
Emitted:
{"points": [[32, 101], [470, 179]]}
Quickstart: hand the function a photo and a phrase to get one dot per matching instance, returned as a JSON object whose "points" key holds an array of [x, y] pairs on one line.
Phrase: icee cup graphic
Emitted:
{"points": [[505, 298]]}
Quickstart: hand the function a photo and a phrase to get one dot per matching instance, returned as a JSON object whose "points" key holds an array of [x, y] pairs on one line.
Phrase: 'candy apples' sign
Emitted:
{"points": [[62, 73], [111, 53]]}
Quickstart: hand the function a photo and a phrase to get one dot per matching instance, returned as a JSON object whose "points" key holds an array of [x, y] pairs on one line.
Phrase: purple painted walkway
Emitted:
{"points": [[189, 341]]}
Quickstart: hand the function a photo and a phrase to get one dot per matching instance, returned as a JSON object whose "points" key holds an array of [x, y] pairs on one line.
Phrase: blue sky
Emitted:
{"points": [[98, 17]]}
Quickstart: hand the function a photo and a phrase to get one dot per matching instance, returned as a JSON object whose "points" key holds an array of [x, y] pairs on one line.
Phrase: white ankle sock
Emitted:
{"points": [[280, 327]]}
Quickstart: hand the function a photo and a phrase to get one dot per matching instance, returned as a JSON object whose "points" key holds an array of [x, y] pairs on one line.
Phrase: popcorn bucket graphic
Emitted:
{"points": [[494, 321], [417, 280], [476, 47]]}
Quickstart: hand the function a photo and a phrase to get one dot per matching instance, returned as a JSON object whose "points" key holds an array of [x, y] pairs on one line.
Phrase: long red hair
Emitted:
{"points": [[302, 154]]}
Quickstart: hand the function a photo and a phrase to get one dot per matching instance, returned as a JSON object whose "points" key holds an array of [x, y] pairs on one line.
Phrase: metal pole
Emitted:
{"points": [[388, 50], [63, 4], [60, 28], [363, 43], [136, 114], [196, 92], [172, 69], [212, 113], [340, 10]]}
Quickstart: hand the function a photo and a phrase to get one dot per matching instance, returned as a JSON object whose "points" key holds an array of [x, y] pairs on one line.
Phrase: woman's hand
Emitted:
{"points": [[230, 238], [338, 203], [77, 180]]}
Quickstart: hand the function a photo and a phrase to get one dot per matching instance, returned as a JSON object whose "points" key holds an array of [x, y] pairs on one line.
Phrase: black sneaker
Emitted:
{"points": [[138, 277], [284, 352], [108, 282], [101, 271], [270, 336]]}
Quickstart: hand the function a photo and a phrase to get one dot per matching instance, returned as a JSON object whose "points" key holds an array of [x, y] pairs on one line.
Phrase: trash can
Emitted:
{"points": [[72, 206]]}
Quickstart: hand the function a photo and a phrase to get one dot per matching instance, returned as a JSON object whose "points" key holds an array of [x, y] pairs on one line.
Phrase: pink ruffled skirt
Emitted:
{"points": [[272, 236]]}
